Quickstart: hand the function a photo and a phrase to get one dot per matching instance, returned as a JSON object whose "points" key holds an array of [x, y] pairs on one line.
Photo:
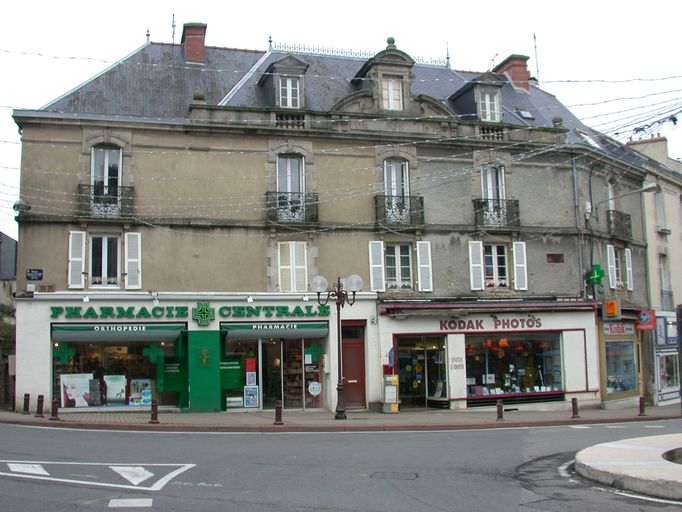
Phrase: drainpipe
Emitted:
{"points": [[576, 200]]}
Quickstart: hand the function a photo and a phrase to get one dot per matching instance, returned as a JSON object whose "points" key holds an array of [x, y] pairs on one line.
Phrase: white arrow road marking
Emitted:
{"points": [[132, 503], [31, 469], [134, 474]]}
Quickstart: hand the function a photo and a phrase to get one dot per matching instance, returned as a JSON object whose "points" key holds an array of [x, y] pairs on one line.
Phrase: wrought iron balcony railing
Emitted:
{"points": [[497, 212], [108, 202], [292, 206], [399, 209], [620, 224]]}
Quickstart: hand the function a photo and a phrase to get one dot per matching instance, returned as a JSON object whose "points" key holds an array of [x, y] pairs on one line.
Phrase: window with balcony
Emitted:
{"points": [[620, 267], [95, 260], [290, 187], [392, 93], [292, 264], [392, 266], [490, 268], [105, 178], [397, 190], [667, 299]]}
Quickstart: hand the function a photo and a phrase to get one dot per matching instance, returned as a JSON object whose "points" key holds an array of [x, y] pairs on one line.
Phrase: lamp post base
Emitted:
{"points": [[340, 404]]}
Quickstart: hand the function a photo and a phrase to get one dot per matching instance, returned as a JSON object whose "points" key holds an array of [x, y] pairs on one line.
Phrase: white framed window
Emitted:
{"points": [[490, 105], [289, 92], [105, 268], [398, 266], [391, 93], [397, 190], [290, 187], [492, 182], [392, 266], [105, 178], [100, 253], [489, 266], [619, 263], [292, 266], [660, 210]]}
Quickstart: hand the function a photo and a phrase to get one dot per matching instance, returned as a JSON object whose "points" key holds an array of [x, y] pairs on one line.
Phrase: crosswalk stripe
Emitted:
{"points": [[130, 503]]}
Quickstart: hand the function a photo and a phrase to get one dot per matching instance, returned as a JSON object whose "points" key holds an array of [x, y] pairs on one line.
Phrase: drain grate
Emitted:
{"points": [[394, 475]]}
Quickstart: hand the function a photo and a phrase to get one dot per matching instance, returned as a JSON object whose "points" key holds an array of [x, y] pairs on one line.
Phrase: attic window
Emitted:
{"points": [[289, 92], [525, 114], [589, 139], [490, 106], [391, 93]]}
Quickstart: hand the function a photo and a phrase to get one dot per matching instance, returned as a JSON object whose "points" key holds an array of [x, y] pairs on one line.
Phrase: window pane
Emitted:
{"points": [[96, 260], [112, 260]]}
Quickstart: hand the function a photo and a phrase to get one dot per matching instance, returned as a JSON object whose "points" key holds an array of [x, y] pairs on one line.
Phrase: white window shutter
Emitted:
{"points": [[425, 274], [476, 276], [76, 270], [611, 263], [284, 264], [300, 266], [520, 266], [628, 269], [377, 274], [133, 261]]}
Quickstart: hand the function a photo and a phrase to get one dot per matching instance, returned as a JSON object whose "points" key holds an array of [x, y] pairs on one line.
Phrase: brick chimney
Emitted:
{"points": [[516, 68], [193, 35]]}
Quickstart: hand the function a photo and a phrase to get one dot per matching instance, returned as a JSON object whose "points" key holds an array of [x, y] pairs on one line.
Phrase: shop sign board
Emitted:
{"points": [[34, 274], [646, 320], [616, 328], [202, 314], [492, 324]]}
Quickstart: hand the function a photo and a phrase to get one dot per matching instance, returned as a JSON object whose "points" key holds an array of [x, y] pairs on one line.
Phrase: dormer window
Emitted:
{"points": [[489, 105], [289, 92], [391, 93]]}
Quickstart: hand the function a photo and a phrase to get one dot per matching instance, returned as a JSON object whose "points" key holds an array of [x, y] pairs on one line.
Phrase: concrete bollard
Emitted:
{"points": [[155, 413], [54, 414], [641, 406], [27, 401], [278, 413], [39, 406], [574, 405], [500, 410]]}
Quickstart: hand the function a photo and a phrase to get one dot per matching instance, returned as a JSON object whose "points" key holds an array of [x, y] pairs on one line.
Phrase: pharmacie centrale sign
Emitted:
{"points": [[203, 313]]}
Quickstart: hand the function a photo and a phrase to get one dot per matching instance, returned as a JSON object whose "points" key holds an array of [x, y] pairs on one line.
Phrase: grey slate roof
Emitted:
{"points": [[156, 82]]}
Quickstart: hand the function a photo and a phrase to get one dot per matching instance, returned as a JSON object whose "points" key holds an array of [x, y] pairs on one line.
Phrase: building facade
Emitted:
{"points": [[663, 215], [177, 228]]}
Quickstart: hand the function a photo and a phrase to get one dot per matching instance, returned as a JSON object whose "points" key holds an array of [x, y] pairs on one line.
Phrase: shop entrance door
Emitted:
{"points": [[271, 372], [353, 353], [422, 371]]}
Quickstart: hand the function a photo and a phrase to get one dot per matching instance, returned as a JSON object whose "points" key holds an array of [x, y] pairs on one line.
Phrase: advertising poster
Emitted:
{"points": [[76, 390], [250, 396], [140, 392], [116, 389]]}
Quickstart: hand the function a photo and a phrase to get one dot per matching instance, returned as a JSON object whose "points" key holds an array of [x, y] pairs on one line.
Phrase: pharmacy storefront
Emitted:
{"points": [[472, 355], [207, 354]]}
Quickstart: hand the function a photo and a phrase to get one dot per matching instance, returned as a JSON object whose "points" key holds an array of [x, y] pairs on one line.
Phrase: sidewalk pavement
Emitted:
{"points": [[635, 465]]}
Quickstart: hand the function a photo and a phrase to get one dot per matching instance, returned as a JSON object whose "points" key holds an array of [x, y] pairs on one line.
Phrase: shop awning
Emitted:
{"points": [[114, 333], [274, 330]]}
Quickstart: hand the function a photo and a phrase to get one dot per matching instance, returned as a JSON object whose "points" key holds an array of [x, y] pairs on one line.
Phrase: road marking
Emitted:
{"points": [[580, 427], [31, 469], [134, 474], [654, 426], [131, 503], [63, 472]]}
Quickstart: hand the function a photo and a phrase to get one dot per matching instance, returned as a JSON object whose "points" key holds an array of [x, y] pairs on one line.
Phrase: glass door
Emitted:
{"points": [[271, 372], [422, 371]]}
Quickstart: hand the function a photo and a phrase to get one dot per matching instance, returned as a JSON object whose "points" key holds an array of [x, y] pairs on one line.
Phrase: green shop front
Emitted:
{"points": [[196, 357]]}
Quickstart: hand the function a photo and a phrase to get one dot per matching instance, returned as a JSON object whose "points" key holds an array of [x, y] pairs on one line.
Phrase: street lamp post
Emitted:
{"points": [[342, 293]]}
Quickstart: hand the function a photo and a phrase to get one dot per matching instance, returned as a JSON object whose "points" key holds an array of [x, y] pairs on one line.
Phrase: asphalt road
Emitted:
{"points": [[525, 469]]}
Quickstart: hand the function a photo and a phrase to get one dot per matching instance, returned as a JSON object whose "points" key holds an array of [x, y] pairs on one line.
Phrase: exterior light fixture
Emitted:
{"points": [[342, 293]]}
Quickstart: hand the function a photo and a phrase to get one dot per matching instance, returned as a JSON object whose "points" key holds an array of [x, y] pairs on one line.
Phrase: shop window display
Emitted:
{"points": [[668, 371], [514, 364], [621, 371], [101, 374]]}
